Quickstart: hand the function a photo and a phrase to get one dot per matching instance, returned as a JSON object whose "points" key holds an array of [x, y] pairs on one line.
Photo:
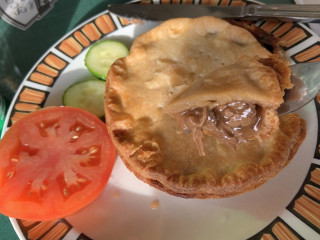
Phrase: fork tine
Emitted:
{"points": [[306, 80]]}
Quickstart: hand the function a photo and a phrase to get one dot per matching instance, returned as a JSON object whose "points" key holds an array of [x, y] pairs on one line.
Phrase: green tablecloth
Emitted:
{"points": [[21, 49]]}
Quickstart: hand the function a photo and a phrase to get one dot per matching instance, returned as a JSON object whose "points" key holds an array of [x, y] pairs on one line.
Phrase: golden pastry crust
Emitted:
{"points": [[247, 174], [162, 62], [281, 69], [246, 80]]}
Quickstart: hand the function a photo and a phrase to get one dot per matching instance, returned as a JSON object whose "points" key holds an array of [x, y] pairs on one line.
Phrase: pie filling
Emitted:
{"points": [[233, 123]]}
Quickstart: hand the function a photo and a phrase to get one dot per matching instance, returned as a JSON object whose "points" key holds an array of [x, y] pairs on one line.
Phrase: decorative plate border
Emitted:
{"points": [[33, 92]]}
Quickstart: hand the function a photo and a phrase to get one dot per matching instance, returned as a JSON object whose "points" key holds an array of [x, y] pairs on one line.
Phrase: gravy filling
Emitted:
{"points": [[232, 123]]}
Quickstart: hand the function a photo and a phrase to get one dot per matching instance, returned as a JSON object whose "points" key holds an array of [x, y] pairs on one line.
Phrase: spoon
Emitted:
{"points": [[306, 80]]}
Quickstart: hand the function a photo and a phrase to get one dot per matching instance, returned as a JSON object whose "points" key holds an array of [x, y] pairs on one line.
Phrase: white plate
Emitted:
{"points": [[287, 205]]}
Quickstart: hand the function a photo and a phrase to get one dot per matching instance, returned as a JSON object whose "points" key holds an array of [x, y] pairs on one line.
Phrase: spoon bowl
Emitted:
{"points": [[306, 80]]}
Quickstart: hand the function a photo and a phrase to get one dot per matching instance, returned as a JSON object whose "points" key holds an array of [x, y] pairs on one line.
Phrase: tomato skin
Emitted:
{"points": [[54, 162]]}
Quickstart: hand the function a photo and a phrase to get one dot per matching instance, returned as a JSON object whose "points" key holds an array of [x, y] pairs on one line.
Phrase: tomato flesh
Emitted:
{"points": [[53, 162]]}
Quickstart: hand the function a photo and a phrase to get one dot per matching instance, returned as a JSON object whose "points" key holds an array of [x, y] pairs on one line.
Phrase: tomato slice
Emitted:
{"points": [[53, 162]]}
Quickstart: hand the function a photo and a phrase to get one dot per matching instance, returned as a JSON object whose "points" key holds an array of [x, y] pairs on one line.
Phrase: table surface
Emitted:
{"points": [[23, 48]]}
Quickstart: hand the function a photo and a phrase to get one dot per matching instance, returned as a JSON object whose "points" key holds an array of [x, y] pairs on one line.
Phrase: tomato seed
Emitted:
{"points": [[15, 160], [42, 125], [78, 129], [93, 150], [75, 137], [81, 180], [10, 174], [65, 192], [85, 151]]}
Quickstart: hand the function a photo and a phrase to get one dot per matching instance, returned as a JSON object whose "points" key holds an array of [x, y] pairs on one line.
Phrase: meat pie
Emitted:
{"points": [[201, 85]]}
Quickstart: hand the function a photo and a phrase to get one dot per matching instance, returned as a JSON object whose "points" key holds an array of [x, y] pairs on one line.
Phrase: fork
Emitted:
{"points": [[306, 80]]}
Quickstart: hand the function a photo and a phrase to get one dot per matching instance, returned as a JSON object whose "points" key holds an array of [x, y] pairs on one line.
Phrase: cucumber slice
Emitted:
{"points": [[87, 95], [102, 55]]}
